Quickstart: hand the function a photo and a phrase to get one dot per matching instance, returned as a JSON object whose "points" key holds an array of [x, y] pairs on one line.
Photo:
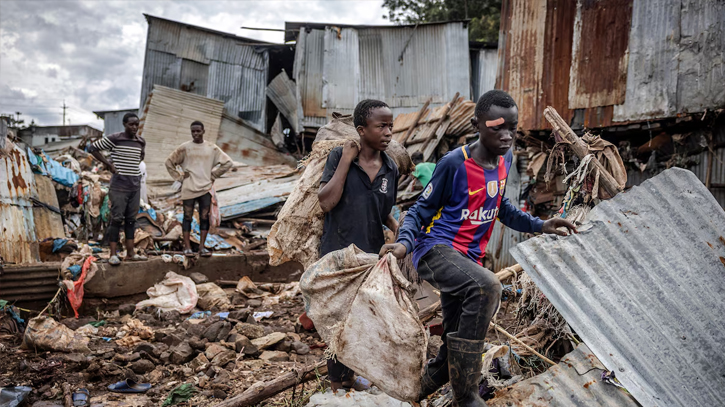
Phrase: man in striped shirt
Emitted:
{"points": [[127, 151]]}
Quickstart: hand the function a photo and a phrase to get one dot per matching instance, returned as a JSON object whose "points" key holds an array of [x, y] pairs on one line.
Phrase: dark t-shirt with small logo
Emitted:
{"points": [[360, 215]]}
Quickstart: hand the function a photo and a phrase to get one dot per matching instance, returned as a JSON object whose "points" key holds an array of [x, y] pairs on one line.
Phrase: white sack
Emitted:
{"points": [[175, 292]]}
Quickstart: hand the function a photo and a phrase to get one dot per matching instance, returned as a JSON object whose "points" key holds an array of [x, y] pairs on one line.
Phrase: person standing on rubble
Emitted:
{"points": [[447, 231], [357, 193], [201, 162], [127, 151]]}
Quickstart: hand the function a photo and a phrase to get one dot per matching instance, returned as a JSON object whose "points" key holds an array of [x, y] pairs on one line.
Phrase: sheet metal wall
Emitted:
{"points": [[220, 66], [484, 63], [113, 121], [18, 243], [394, 64], [642, 286], [672, 50]]}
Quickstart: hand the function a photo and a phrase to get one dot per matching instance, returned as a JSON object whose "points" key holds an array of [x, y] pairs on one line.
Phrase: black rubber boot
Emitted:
{"points": [[433, 378], [464, 367]]}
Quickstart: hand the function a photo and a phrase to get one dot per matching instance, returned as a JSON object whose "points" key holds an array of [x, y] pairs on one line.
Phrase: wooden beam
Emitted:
{"points": [[581, 149], [417, 119], [439, 122]]}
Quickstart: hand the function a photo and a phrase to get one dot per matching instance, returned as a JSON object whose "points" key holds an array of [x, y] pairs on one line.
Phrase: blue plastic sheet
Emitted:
{"points": [[150, 211], [75, 270], [54, 169], [58, 244]]}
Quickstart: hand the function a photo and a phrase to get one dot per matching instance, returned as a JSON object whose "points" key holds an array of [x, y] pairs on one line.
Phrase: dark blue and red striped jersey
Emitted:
{"points": [[460, 205]]}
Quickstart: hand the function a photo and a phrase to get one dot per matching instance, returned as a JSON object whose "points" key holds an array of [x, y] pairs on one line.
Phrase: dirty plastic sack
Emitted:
{"points": [[363, 309], [215, 217], [369, 398], [13, 396], [44, 333], [175, 292], [211, 296], [296, 234]]}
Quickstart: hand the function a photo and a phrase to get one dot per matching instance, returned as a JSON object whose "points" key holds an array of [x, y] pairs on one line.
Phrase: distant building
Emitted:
{"points": [[113, 119], [40, 135]]}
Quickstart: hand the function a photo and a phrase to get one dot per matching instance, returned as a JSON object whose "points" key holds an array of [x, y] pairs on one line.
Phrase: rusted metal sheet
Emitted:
{"points": [[18, 243], [30, 283], [575, 381], [599, 53], [309, 73], [48, 222], [245, 144]]}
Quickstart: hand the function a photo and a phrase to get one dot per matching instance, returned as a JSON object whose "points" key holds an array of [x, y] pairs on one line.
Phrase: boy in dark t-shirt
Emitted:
{"points": [[447, 231], [357, 192]]}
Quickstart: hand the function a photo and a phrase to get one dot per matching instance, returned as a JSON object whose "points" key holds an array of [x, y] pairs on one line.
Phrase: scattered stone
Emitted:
{"points": [[219, 394], [142, 366], [250, 331], [74, 324], [187, 371], [160, 348], [224, 332], [222, 377], [156, 375], [213, 330], [224, 357], [240, 314], [243, 344], [196, 329], [126, 309], [124, 359], [181, 353], [165, 357], [254, 303], [74, 358], [213, 349], [208, 394], [199, 363], [274, 356], [172, 316], [231, 338], [300, 348], [199, 278], [284, 346], [198, 343], [145, 347], [269, 340], [172, 340]]}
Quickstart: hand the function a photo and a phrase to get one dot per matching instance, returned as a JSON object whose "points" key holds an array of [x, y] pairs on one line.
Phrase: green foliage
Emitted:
{"points": [[485, 15]]}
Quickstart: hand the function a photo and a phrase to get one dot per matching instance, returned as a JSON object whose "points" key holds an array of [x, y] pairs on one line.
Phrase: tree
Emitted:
{"points": [[485, 15]]}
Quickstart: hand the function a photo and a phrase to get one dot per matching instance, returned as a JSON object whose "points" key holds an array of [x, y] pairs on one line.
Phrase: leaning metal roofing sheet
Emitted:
{"points": [[642, 285], [576, 381]]}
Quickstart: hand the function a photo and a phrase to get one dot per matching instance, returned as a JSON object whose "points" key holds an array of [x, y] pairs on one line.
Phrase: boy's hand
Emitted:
{"points": [[552, 225], [398, 250], [112, 168], [350, 150]]}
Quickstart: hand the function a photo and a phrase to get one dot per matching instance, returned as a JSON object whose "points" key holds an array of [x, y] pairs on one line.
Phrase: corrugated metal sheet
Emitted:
{"points": [[18, 243], [30, 283], [283, 93], [166, 121], [394, 65], [498, 245], [668, 52], [652, 71], [241, 200], [245, 144], [576, 381], [599, 65], [221, 66], [642, 285], [48, 223], [113, 120], [484, 63], [717, 189], [340, 69], [702, 56]]}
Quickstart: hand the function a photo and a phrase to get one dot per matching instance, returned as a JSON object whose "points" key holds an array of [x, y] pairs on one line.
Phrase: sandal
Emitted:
{"points": [[188, 253], [129, 386], [204, 252], [80, 397], [138, 257], [114, 260]]}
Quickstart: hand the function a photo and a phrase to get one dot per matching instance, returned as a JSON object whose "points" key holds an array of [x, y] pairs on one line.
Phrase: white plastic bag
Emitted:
{"points": [[44, 333], [363, 308], [175, 292]]}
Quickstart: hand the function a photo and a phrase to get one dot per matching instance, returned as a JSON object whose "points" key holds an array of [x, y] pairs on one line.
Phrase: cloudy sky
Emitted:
{"points": [[90, 53]]}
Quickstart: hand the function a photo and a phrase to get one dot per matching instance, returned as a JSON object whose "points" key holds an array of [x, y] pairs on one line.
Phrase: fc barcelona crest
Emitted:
{"points": [[502, 186], [492, 188]]}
